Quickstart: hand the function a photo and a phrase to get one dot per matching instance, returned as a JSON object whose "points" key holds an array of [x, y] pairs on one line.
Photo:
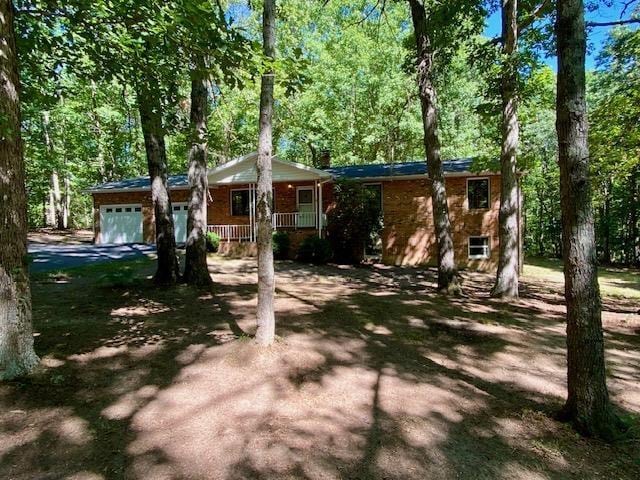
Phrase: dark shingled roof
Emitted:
{"points": [[139, 183], [378, 170]]}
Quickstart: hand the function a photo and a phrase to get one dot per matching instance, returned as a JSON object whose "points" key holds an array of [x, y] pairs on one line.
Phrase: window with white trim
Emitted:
{"points": [[479, 248], [240, 203], [478, 193]]}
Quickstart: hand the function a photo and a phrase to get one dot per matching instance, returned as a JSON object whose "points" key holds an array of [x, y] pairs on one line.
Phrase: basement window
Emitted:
{"points": [[478, 193], [479, 248]]}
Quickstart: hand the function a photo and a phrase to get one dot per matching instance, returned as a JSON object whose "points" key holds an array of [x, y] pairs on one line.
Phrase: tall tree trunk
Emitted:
{"points": [[606, 223], [17, 356], [587, 405], [66, 204], [97, 125], [51, 208], [634, 193], [56, 194], [506, 285], [167, 272], [265, 333], [447, 272], [196, 271]]}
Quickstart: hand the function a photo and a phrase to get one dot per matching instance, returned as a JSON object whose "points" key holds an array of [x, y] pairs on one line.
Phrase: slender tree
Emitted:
{"points": [[506, 285], [150, 107], [587, 406], [447, 271], [17, 356], [196, 271], [265, 332]]}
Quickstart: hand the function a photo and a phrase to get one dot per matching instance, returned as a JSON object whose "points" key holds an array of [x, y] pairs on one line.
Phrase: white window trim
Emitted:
{"points": [[381, 193], [479, 257], [466, 198], [103, 208], [248, 190], [313, 195], [180, 204]]}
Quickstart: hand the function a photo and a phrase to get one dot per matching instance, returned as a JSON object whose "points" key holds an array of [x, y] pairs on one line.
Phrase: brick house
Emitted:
{"points": [[123, 212]]}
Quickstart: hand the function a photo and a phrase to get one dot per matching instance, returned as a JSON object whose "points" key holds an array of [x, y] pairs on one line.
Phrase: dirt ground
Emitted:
{"points": [[374, 375], [64, 237]]}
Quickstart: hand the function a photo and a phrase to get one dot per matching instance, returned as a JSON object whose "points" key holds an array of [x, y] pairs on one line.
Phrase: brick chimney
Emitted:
{"points": [[324, 158]]}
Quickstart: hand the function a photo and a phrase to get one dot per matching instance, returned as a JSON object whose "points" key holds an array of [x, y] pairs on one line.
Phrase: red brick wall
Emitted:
{"points": [[219, 208], [408, 236]]}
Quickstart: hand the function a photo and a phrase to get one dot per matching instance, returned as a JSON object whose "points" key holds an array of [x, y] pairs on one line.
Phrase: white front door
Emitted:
{"points": [[121, 224], [306, 207], [180, 213]]}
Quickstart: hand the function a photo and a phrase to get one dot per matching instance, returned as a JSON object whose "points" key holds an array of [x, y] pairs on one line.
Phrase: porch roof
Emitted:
{"points": [[243, 170]]}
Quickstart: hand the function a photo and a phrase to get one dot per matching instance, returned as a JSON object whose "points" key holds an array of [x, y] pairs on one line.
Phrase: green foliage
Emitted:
{"points": [[213, 242], [281, 245], [614, 142], [314, 249], [352, 222], [124, 277]]}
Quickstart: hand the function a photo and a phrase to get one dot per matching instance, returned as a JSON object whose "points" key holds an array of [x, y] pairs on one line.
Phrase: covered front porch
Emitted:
{"points": [[300, 197]]}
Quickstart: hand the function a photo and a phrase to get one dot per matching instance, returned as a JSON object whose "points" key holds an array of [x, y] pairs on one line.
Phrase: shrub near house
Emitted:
{"points": [[353, 220]]}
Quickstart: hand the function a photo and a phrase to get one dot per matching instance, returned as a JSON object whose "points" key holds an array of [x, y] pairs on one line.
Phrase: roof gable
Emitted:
{"points": [[243, 170]]}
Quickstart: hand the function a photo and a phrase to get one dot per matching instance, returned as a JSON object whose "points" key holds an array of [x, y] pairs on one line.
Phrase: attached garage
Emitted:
{"points": [[121, 224], [180, 212]]}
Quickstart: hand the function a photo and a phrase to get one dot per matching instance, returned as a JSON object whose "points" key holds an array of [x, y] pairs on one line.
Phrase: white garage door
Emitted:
{"points": [[121, 224], [180, 212]]}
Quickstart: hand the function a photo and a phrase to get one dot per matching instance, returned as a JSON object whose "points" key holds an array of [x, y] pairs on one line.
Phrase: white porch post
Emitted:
{"points": [[319, 207], [252, 212]]}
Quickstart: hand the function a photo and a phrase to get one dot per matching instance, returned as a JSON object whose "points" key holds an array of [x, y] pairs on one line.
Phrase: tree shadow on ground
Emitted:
{"points": [[375, 376]]}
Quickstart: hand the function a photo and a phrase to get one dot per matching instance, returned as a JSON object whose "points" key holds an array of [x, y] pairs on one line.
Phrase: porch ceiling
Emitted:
{"points": [[243, 170]]}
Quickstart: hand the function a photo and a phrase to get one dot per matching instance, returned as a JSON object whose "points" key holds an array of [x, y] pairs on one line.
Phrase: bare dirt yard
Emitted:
{"points": [[64, 237], [374, 375]]}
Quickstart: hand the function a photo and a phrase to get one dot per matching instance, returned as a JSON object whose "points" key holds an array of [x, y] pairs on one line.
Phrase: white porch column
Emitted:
{"points": [[252, 212], [319, 208]]}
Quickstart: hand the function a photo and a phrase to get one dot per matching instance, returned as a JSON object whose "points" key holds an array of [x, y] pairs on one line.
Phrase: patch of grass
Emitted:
{"points": [[614, 282], [116, 269]]}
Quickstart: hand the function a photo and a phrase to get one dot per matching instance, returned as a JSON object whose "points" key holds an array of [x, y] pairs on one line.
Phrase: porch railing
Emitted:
{"points": [[231, 232], [279, 221], [294, 220]]}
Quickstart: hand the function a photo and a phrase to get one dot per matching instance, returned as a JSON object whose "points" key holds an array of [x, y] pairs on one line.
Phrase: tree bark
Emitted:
{"points": [[587, 405], [196, 271], [167, 272], [265, 332], [606, 223], [56, 195], [17, 356], [97, 125], [447, 272], [634, 241], [506, 285]]}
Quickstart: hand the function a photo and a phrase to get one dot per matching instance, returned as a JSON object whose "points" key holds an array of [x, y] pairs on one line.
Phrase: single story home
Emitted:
{"points": [[123, 211]]}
